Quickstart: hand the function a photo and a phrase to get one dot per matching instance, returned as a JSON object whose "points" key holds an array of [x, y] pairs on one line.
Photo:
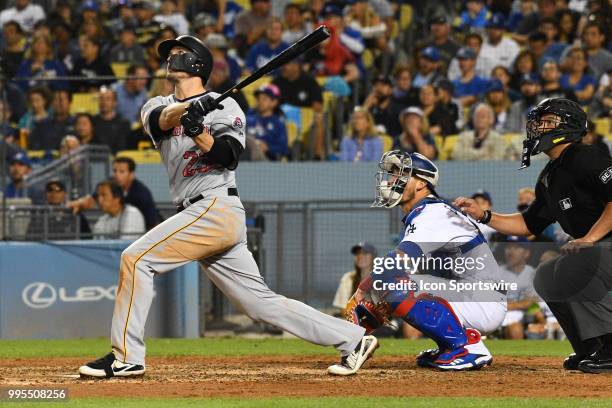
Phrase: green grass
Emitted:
{"points": [[387, 402], [241, 346]]}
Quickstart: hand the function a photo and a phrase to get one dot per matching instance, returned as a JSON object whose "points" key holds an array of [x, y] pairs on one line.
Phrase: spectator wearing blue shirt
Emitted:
{"points": [[132, 94], [361, 143], [553, 49], [19, 167], [469, 86], [476, 15], [266, 123], [414, 139], [577, 79], [39, 62], [271, 45], [429, 67]]}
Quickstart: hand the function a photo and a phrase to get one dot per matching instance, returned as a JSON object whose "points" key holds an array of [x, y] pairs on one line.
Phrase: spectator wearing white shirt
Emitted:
{"points": [[364, 253], [484, 64], [120, 220], [516, 270], [169, 15], [498, 48], [25, 13], [295, 27]]}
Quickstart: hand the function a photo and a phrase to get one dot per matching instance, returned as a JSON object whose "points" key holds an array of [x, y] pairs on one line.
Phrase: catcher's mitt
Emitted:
{"points": [[367, 314]]}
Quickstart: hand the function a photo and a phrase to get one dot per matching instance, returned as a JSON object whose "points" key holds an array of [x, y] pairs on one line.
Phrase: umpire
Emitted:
{"points": [[575, 190]]}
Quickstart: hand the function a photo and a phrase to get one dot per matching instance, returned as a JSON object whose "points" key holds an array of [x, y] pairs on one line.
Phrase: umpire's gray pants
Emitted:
{"points": [[212, 231]]}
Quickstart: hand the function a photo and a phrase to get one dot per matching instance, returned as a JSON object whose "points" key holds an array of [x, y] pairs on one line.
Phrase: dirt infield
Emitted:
{"points": [[275, 376]]}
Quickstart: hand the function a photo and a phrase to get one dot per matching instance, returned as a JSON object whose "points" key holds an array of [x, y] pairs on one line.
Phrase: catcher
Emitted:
{"points": [[419, 282]]}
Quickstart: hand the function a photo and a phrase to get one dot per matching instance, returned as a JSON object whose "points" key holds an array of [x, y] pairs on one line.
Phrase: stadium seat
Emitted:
{"points": [[292, 132], [439, 141], [245, 4], [448, 147], [85, 102], [249, 91], [120, 68], [145, 145], [387, 142], [405, 16], [602, 126], [141, 156], [306, 122]]}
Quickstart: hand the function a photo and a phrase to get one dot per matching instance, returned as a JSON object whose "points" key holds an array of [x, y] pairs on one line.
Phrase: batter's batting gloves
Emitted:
{"points": [[192, 124], [203, 106]]}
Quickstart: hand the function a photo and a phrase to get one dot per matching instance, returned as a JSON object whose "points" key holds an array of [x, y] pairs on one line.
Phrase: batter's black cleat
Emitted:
{"points": [[598, 363], [572, 361], [108, 366]]}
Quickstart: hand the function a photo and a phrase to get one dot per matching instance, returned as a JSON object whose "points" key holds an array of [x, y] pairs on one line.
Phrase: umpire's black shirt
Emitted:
{"points": [[572, 190]]}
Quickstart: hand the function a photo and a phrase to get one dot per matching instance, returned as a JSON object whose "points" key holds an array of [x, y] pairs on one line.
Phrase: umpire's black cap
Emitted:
{"points": [[194, 45]]}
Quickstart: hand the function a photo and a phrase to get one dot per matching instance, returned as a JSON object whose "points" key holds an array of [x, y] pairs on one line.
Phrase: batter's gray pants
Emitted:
{"points": [[213, 232]]}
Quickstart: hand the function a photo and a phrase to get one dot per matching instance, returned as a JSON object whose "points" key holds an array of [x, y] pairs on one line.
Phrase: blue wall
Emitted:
{"points": [[334, 180], [66, 290]]}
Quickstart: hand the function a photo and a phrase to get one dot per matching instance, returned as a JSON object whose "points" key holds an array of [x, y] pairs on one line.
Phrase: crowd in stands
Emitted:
{"points": [[452, 80]]}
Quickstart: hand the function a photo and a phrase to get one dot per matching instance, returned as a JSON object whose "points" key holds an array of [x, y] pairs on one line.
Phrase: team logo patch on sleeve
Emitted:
{"points": [[237, 123], [606, 175]]}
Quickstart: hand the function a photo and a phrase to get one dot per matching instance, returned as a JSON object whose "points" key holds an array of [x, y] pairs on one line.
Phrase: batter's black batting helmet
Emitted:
{"points": [[198, 61], [570, 125]]}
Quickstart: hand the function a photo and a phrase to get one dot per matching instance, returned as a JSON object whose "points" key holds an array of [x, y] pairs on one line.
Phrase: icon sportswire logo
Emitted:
{"points": [[40, 295]]}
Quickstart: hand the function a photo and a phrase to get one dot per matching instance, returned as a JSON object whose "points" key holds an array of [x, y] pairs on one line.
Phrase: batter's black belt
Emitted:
{"points": [[231, 191]]}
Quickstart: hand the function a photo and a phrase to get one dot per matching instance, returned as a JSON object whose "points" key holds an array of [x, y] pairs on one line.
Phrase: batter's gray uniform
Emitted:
{"points": [[213, 232]]}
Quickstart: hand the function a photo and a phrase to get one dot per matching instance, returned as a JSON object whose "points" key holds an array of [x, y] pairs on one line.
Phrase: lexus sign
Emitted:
{"points": [[40, 295]]}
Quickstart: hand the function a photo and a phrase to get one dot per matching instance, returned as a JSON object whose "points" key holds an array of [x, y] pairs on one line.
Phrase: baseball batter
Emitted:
{"points": [[200, 143]]}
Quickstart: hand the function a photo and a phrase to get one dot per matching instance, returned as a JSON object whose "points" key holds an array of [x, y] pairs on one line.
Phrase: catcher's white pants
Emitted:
{"points": [[213, 232]]}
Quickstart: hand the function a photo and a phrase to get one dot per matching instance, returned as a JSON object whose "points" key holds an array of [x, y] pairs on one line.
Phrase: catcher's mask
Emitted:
{"points": [[394, 172], [568, 125]]}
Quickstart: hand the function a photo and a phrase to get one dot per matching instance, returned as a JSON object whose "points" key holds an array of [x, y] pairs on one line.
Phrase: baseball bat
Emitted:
{"points": [[301, 46]]}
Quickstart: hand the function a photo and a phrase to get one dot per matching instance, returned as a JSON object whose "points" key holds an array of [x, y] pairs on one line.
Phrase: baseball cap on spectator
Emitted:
{"points": [[331, 9], [382, 78], [21, 157], [495, 86], [438, 19], [530, 78], [482, 194], [431, 53], [271, 90], [203, 20], [90, 5], [415, 110], [143, 5], [466, 53], [497, 20], [214, 40], [365, 247], [56, 183], [537, 36], [516, 240]]}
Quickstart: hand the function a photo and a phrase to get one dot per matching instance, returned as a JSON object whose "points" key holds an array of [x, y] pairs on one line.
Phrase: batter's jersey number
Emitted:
{"points": [[191, 168]]}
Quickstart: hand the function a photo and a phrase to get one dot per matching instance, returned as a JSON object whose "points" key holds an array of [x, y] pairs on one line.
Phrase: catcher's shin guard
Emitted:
{"points": [[435, 318]]}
